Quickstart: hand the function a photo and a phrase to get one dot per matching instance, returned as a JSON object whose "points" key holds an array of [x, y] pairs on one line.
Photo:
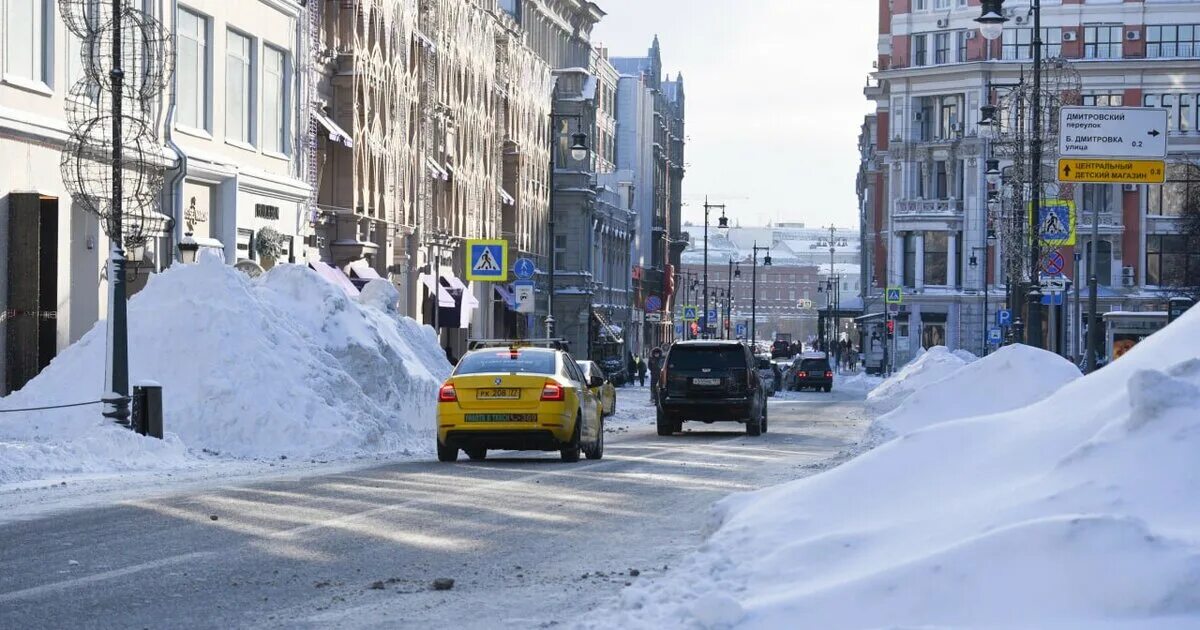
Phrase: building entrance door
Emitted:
{"points": [[31, 318]]}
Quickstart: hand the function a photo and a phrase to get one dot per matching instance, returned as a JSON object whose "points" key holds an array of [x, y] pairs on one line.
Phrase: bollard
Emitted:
{"points": [[147, 409]]}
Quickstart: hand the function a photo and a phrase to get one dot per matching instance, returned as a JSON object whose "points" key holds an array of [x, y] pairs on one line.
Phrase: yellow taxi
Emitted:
{"points": [[518, 396], [606, 392]]}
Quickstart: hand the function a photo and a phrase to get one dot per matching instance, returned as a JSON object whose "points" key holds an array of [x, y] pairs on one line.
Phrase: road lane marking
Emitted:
{"points": [[100, 577]]}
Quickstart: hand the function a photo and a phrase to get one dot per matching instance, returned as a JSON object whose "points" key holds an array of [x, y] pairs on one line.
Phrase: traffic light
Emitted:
{"points": [[891, 328]]}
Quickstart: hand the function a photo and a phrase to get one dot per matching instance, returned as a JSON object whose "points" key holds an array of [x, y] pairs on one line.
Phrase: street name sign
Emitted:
{"points": [[488, 260], [1113, 132], [1111, 171]]}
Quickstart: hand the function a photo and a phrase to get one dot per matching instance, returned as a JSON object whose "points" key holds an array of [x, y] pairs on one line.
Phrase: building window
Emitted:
{"points": [[1168, 261], [1181, 113], [941, 48], [1097, 198], [1171, 199], [920, 5], [937, 247], [191, 75], [1103, 99], [1173, 40], [26, 33], [275, 115], [949, 117], [1103, 262], [920, 50], [1017, 43], [239, 95], [941, 177], [1102, 41], [910, 259], [960, 46]]}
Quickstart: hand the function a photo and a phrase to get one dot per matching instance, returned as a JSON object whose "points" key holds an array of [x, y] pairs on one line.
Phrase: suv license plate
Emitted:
{"points": [[501, 417], [499, 394], [706, 382]]}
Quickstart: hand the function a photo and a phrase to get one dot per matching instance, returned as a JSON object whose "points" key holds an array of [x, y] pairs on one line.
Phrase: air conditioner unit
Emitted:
{"points": [[1128, 282], [971, 34], [917, 116], [1129, 187], [1133, 36], [1020, 19], [1070, 36], [943, 22], [1127, 277]]}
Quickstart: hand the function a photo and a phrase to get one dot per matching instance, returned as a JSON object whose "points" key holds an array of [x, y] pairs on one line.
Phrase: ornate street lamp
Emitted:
{"points": [[991, 19]]}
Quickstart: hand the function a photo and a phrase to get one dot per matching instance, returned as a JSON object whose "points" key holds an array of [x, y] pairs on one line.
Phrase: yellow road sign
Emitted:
{"points": [[1106, 171]]}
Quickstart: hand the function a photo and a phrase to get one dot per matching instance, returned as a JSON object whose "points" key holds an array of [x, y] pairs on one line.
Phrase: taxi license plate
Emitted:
{"points": [[499, 394], [706, 382], [501, 417]]}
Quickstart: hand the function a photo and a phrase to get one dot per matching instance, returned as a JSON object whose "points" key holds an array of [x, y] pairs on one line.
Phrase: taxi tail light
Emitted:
{"points": [[552, 392], [447, 393]]}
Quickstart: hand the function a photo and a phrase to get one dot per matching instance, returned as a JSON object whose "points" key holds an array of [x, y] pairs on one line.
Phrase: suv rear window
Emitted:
{"points": [[505, 361], [715, 357], [814, 365]]}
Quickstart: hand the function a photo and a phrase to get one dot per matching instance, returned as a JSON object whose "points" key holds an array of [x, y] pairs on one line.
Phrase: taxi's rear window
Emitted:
{"points": [[505, 361]]}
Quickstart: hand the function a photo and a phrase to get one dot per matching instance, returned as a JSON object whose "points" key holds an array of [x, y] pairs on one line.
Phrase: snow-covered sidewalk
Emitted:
{"points": [[998, 503]]}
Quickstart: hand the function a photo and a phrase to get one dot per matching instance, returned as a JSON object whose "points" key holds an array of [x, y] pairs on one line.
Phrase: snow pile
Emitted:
{"points": [[285, 364], [928, 367], [1078, 511], [966, 355], [1023, 374], [860, 382]]}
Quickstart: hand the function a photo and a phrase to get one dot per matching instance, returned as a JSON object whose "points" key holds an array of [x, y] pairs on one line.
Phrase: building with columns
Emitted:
{"points": [[921, 182]]}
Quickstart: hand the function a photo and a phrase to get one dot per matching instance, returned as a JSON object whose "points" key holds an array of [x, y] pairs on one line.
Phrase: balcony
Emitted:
{"points": [[928, 214], [1110, 223]]}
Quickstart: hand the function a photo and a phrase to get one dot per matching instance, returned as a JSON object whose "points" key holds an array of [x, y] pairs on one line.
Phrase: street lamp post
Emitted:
{"points": [[733, 271], [754, 290], [722, 223], [987, 272], [991, 26], [579, 152]]}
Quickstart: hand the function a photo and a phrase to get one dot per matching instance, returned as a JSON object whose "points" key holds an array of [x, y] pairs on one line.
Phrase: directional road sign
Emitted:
{"points": [[691, 313], [1056, 222], [1111, 171], [1055, 263], [524, 269], [1004, 318], [653, 303], [995, 336], [487, 260], [1113, 132], [895, 295]]}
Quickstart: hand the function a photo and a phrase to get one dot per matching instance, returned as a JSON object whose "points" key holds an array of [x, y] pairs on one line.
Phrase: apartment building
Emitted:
{"points": [[225, 125], [922, 185]]}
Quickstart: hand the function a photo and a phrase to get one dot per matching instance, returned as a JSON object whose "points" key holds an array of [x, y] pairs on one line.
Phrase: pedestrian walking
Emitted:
{"points": [[641, 372], [656, 359]]}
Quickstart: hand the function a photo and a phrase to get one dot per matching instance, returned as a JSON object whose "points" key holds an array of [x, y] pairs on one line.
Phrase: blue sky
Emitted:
{"points": [[774, 93]]}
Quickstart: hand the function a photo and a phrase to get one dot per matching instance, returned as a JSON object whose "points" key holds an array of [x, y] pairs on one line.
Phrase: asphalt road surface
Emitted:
{"points": [[530, 542]]}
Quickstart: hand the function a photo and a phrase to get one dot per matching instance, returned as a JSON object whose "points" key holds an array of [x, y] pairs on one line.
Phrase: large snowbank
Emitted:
{"points": [[1078, 511], [1010, 378], [928, 367], [281, 365]]}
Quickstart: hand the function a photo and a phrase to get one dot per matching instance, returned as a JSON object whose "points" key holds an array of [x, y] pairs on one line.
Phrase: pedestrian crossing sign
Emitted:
{"points": [[487, 260], [895, 295], [1056, 222]]}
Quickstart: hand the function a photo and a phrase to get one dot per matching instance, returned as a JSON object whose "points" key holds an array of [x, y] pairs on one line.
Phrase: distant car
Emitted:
{"points": [[769, 373], [781, 349], [519, 398], [711, 381], [811, 371], [606, 393]]}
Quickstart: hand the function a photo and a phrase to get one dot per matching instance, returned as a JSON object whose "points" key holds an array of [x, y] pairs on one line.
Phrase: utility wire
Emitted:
{"points": [[82, 404]]}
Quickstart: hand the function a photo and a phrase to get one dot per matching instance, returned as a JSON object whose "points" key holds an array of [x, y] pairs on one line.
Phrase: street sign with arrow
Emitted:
{"points": [[1112, 145]]}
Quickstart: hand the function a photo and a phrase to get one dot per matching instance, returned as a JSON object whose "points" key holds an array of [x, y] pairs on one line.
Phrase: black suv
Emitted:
{"points": [[710, 381], [811, 371]]}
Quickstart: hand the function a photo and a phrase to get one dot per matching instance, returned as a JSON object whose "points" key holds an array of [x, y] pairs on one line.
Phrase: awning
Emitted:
{"points": [[362, 270], [469, 300], [445, 300], [509, 299], [336, 133], [505, 197], [335, 276]]}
